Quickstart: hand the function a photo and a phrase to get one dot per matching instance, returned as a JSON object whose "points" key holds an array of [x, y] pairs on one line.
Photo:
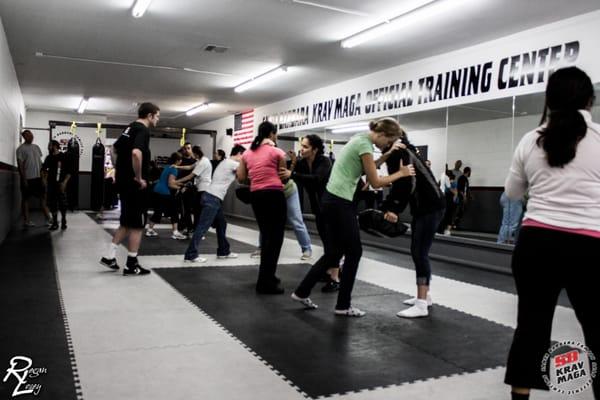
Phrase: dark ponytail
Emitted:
{"points": [[264, 131], [568, 90]]}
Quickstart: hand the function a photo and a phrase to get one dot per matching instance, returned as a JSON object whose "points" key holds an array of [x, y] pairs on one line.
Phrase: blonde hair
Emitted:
{"points": [[389, 127]]}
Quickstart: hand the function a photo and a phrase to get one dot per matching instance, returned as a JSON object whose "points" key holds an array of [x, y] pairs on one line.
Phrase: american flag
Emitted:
{"points": [[243, 128]]}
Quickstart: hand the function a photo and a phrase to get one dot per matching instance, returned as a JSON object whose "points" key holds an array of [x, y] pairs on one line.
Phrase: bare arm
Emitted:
{"points": [[386, 155], [186, 167], [136, 161], [377, 181], [282, 167], [173, 183], [186, 178], [242, 172]]}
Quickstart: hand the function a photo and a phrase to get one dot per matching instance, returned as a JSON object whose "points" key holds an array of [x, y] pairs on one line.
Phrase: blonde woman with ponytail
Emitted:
{"points": [[355, 159]]}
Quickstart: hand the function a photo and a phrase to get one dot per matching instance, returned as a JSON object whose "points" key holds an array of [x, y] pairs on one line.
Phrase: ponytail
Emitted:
{"points": [[264, 131], [569, 90], [560, 137]]}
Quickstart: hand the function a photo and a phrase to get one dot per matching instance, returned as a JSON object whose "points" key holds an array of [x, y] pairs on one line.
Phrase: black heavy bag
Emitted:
{"points": [[372, 221], [97, 186], [73, 186]]}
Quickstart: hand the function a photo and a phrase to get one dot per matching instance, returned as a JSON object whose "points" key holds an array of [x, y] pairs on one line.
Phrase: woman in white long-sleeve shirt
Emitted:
{"points": [[559, 164]]}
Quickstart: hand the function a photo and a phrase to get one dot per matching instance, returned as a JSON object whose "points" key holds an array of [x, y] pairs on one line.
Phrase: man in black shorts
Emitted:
{"points": [[132, 168]]}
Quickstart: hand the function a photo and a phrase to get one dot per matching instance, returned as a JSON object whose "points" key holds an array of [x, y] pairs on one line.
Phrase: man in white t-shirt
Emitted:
{"points": [[212, 208], [201, 175], [29, 159]]}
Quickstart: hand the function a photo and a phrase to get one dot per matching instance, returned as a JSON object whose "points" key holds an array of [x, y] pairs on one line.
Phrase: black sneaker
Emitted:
{"points": [[63, 226], [269, 289], [110, 263], [135, 270], [53, 227], [331, 286]]}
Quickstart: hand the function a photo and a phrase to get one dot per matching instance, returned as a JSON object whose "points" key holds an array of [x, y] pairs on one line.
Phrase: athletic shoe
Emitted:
{"points": [[196, 260], [29, 224], [53, 227], [411, 301], [419, 310], [270, 289], [255, 254], [50, 222], [178, 236], [135, 270], [307, 255], [63, 226], [306, 302], [350, 312], [109, 262], [331, 286], [447, 232], [151, 232], [230, 255]]}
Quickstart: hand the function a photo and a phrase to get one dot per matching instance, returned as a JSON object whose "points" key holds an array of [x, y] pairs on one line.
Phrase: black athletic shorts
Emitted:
{"points": [[35, 188], [133, 206]]}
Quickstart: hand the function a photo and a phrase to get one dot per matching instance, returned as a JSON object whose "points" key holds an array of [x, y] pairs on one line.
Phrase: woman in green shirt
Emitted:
{"points": [[340, 213]]}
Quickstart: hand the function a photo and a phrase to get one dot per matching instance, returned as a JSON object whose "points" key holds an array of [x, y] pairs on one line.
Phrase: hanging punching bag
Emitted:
{"points": [[97, 187], [73, 186]]}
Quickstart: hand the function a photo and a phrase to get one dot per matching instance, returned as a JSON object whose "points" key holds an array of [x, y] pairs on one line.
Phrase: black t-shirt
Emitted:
{"points": [[136, 136], [57, 166], [462, 185]]}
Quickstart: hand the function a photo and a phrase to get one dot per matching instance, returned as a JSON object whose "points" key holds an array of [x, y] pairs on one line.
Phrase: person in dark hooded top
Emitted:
{"points": [[427, 205]]}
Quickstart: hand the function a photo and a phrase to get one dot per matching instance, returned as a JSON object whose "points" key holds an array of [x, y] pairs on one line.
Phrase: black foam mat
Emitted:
{"points": [[164, 245], [324, 354], [32, 319]]}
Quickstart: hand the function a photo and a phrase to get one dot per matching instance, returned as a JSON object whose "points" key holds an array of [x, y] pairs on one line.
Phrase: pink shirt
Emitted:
{"points": [[263, 167], [536, 224]]}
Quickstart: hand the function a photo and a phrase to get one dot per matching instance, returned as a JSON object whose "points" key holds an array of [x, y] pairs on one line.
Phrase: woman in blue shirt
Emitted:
{"points": [[166, 202]]}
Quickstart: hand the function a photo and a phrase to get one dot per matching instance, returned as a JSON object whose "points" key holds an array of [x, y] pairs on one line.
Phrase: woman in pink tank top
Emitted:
{"points": [[260, 164]]}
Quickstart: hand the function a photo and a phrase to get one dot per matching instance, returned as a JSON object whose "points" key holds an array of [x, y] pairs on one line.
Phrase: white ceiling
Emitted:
{"points": [[260, 34]]}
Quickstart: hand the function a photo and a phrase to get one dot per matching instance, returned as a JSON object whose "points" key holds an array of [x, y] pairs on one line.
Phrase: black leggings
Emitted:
{"points": [[545, 262], [270, 210], [342, 239], [167, 205]]}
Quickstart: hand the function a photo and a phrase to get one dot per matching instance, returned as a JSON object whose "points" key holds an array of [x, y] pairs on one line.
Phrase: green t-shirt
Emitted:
{"points": [[348, 167]]}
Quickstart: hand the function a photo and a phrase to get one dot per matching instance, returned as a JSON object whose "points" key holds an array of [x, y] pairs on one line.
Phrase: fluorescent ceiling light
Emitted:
{"points": [[417, 11], [272, 74], [197, 109], [83, 105], [363, 126], [140, 7], [332, 8]]}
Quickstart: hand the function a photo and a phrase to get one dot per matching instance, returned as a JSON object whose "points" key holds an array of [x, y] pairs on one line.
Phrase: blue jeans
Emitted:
{"points": [[212, 212], [511, 216], [423, 232], [294, 218]]}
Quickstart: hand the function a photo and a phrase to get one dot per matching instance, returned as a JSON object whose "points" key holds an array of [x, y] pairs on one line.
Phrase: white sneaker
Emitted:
{"points": [[255, 254], [178, 236], [230, 255], [411, 301], [447, 232], [419, 310], [196, 260], [151, 232], [307, 302], [29, 224], [307, 255], [351, 312]]}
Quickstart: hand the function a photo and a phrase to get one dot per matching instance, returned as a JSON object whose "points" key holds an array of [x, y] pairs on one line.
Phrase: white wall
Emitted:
{"points": [[12, 112], [220, 125], [12, 108], [164, 147]]}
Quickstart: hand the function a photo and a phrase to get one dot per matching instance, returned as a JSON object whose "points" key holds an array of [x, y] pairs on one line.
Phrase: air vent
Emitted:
{"points": [[215, 48]]}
